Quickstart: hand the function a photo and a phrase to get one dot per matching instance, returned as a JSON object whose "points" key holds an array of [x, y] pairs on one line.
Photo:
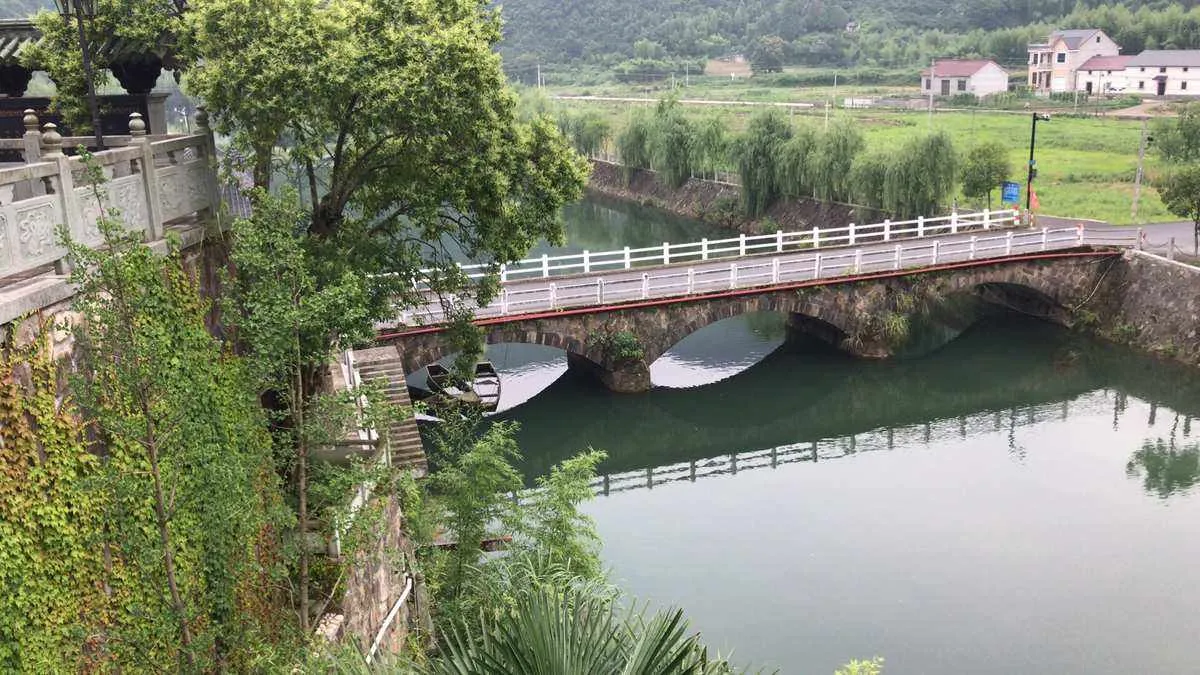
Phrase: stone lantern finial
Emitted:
{"points": [[137, 126], [31, 121], [51, 140], [202, 119]]}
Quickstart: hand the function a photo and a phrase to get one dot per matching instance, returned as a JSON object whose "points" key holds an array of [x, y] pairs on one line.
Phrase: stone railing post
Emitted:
{"points": [[32, 153], [210, 160], [150, 186], [72, 215]]}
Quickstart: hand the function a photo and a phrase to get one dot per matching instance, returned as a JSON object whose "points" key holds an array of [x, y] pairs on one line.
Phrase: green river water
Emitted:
{"points": [[1019, 500]]}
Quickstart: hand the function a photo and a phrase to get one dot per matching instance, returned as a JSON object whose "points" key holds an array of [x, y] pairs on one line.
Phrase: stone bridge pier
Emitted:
{"points": [[867, 318]]}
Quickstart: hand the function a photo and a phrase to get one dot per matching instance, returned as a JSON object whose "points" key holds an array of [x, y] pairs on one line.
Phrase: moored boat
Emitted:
{"points": [[482, 391]]}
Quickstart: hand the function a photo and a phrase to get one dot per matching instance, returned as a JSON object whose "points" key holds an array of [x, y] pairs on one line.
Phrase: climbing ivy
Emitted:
{"points": [[52, 606], [184, 484]]}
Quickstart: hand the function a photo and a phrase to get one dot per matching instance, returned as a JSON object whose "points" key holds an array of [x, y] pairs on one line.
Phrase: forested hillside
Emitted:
{"points": [[884, 33], [19, 9]]}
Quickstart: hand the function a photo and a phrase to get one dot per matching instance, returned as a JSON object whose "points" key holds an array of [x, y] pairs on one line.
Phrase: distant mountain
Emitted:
{"points": [[20, 9], [832, 32]]}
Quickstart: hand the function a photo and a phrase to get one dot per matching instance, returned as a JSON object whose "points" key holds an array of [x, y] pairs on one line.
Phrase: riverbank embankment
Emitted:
{"points": [[719, 203]]}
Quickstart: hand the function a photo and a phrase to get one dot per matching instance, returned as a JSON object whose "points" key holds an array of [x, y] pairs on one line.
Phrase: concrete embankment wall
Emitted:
{"points": [[1153, 304], [720, 203]]}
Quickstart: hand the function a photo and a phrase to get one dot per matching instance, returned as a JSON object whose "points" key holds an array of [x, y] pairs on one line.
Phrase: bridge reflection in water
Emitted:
{"points": [[872, 441], [1004, 371]]}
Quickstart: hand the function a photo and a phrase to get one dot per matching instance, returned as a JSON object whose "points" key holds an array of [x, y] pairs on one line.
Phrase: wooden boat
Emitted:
{"points": [[487, 385], [482, 391]]}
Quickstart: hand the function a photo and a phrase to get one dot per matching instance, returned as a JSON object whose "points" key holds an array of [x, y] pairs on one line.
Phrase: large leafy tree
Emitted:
{"points": [[1180, 192], [397, 116], [1178, 138], [985, 167]]}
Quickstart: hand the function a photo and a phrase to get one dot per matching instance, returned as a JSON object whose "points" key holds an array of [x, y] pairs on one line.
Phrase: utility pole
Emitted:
{"points": [[539, 76], [1137, 181], [932, 82], [1032, 163]]}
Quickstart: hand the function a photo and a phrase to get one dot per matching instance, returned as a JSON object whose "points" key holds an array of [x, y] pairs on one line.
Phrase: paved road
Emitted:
{"points": [[1158, 235], [686, 101]]}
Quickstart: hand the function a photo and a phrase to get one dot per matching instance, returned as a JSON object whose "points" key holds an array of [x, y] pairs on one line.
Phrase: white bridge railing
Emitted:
{"points": [[607, 286], [590, 262]]}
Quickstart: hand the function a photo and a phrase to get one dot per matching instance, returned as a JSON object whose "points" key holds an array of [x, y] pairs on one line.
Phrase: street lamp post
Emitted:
{"points": [[1037, 117], [81, 10]]}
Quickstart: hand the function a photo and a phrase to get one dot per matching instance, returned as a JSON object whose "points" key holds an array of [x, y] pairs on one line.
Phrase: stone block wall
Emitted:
{"points": [[375, 581], [1150, 303]]}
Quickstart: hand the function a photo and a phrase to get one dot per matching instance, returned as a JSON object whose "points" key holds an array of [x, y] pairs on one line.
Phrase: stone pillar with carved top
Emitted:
{"points": [[149, 173]]}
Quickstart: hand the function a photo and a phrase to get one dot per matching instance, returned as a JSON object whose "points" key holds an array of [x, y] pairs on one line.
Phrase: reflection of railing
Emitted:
{"points": [[151, 181], [836, 448], [783, 258]]}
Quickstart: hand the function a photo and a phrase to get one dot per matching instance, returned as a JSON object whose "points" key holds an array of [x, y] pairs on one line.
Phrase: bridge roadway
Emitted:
{"points": [[589, 281]]}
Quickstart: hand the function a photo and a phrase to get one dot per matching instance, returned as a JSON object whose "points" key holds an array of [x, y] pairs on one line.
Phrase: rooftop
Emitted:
{"points": [[1106, 63], [1074, 37], [1170, 58], [957, 68]]}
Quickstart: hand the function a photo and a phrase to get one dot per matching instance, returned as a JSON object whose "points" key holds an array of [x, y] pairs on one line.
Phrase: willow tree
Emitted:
{"points": [[868, 178], [757, 154], [670, 143], [587, 130], [795, 161], [710, 145], [633, 143], [929, 178], [832, 158]]}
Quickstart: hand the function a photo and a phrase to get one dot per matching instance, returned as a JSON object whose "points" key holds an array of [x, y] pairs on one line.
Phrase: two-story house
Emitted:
{"points": [[1054, 64]]}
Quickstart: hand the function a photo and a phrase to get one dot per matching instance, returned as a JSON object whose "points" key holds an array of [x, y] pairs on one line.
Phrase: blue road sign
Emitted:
{"points": [[1010, 193]]}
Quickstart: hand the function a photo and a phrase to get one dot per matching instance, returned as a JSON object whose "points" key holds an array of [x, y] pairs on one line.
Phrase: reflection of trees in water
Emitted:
{"points": [[1166, 468]]}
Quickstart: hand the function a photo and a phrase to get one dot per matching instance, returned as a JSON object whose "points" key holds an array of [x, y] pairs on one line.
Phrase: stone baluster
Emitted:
{"points": [[210, 159], [32, 153], [51, 141], [149, 172], [64, 187], [32, 138]]}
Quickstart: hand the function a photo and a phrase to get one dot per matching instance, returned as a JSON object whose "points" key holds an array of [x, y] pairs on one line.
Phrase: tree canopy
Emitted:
{"points": [[396, 119]]}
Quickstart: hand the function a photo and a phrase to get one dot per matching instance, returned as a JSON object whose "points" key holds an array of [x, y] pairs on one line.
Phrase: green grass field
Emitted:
{"points": [[1086, 165]]}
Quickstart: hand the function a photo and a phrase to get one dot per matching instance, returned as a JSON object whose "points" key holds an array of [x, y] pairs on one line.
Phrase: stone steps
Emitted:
{"points": [[384, 367]]}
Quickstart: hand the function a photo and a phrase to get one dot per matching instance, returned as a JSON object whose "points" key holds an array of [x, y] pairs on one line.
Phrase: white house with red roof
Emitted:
{"points": [[948, 77], [1103, 75]]}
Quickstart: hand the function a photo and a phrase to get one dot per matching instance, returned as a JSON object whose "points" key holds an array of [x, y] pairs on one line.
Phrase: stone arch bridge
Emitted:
{"points": [[862, 315]]}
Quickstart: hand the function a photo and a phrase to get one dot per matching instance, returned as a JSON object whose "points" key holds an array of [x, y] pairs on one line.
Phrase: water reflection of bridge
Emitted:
{"points": [[876, 440], [1005, 365]]}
